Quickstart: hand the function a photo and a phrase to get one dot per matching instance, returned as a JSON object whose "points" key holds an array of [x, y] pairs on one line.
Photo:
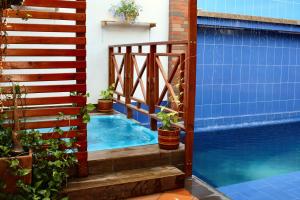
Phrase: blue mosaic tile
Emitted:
{"points": [[283, 187], [250, 74]]}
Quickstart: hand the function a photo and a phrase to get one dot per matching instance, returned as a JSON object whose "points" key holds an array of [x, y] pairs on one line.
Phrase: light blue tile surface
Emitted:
{"points": [[283, 187], [288, 9]]}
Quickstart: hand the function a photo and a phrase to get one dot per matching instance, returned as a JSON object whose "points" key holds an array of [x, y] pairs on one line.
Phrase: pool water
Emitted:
{"points": [[115, 131], [234, 156]]}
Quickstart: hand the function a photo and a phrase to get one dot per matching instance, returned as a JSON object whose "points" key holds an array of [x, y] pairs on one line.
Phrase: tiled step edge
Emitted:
{"points": [[134, 158], [125, 184]]}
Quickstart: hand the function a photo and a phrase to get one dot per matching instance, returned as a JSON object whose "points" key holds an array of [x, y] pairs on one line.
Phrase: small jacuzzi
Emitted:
{"points": [[116, 131]]}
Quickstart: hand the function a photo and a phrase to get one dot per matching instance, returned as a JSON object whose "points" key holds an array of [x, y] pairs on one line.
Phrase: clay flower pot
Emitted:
{"points": [[105, 105], [169, 139], [8, 3], [7, 176]]}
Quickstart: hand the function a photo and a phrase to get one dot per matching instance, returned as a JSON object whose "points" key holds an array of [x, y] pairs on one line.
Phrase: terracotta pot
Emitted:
{"points": [[11, 3], [9, 179], [105, 106], [169, 139]]}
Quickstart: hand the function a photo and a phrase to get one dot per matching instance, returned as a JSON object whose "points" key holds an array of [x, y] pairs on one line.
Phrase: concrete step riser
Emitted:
{"points": [[123, 191], [125, 184], [136, 161]]}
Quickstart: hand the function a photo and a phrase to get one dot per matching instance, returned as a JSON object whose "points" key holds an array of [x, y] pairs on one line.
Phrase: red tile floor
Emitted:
{"points": [[180, 194]]}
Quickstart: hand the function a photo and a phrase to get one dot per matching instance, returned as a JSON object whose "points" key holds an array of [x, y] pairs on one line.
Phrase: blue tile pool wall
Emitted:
{"points": [[140, 117], [287, 9], [246, 73]]}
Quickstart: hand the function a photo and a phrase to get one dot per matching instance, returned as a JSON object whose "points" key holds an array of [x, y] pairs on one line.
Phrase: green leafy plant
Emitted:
{"points": [[50, 166], [4, 4], [5, 138], [108, 94], [126, 10], [85, 112], [167, 118], [9, 135]]}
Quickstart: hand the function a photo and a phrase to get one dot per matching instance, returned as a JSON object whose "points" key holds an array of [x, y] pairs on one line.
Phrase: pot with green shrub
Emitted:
{"points": [[15, 161], [6, 4], [105, 104], [168, 134], [127, 11]]}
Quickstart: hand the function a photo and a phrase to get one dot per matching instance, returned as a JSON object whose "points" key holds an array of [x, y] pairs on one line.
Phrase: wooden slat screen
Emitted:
{"points": [[46, 55]]}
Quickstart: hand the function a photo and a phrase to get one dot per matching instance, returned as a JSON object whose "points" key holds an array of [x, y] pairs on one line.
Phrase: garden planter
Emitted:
{"points": [[169, 139], [9, 179], [105, 106], [10, 3]]}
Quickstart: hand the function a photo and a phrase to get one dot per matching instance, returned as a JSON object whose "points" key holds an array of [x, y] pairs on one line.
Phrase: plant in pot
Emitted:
{"points": [[168, 135], [15, 162], [6, 4], [105, 104], [127, 11]]}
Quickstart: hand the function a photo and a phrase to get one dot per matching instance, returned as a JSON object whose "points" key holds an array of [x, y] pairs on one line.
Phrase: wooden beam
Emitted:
{"points": [[190, 86]]}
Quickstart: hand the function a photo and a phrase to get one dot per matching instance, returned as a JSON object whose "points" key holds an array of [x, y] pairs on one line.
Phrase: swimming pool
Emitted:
{"points": [[115, 131], [239, 155]]}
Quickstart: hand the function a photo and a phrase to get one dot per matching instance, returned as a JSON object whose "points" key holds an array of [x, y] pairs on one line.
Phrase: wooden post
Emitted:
{"points": [[181, 82], [152, 82], [82, 159], [111, 70], [128, 79], [190, 86]]}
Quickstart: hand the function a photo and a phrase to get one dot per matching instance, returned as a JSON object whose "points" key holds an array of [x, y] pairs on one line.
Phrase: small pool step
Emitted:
{"points": [[116, 160], [126, 184]]}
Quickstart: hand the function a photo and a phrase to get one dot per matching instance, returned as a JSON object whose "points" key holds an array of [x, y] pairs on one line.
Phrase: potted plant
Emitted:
{"points": [[5, 4], [168, 135], [105, 104], [127, 11], [15, 162]]}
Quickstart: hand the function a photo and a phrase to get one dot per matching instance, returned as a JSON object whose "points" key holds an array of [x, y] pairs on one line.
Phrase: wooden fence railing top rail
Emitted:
{"points": [[175, 42]]}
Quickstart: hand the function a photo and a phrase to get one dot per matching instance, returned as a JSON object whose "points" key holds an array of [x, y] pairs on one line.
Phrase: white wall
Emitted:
{"points": [[98, 38]]}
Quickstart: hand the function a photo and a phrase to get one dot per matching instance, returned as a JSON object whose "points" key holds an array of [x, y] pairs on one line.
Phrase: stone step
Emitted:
{"points": [[125, 184], [110, 161]]}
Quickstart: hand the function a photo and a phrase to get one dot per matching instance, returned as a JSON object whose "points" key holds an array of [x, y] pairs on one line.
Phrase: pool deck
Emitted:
{"points": [[282, 187], [195, 189]]}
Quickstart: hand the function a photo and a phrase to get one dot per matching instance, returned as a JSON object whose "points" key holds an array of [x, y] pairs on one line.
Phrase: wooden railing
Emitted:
{"points": [[41, 71], [162, 76]]}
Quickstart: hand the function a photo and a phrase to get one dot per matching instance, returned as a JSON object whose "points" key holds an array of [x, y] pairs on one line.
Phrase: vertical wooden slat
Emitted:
{"points": [[111, 70], [82, 160], [190, 86], [128, 79], [152, 82], [181, 81]]}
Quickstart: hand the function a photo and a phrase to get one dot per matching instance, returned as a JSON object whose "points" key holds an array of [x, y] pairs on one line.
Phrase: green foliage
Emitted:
{"points": [[9, 3], [49, 170], [16, 169], [50, 166], [127, 10], [108, 94], [5, 138], [167, 118], [85, 112]]}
